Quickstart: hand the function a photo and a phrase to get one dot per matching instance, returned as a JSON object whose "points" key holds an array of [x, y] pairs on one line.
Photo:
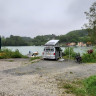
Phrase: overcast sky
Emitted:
{"points": [[40, 17]]}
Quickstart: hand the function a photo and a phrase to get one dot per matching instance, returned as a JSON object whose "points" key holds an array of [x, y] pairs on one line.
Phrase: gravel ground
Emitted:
{"points": [[21, 77]]}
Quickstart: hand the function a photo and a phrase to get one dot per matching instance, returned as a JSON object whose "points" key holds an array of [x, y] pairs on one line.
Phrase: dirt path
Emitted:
{"points": [[20, 77]]}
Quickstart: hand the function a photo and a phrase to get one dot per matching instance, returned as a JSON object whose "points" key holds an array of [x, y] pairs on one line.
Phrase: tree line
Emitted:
{"points": [[73, 36]]}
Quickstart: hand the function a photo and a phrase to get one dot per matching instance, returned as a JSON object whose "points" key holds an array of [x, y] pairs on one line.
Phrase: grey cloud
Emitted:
{"points": [[39, 17]]}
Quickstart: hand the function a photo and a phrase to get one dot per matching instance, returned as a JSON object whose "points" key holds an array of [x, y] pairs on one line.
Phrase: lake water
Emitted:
{"points": [[25, 49]]}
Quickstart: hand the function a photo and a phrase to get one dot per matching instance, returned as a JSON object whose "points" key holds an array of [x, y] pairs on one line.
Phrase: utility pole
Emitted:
{"points": [[0, 42]]}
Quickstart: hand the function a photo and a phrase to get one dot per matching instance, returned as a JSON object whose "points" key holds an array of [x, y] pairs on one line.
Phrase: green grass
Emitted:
{"points": [[74, 88], [34, 58], [69, 50], [90, 85], [89, 58], [66, 52], [86, 87], [7, 53], [11, 60]]}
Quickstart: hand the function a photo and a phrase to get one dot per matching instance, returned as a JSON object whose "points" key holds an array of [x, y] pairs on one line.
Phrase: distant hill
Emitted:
{"points": [[73, 36], [79, 33]]}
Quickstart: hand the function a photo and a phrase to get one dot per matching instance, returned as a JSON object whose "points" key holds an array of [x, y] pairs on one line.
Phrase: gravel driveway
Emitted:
{"points": [[21, 77]]}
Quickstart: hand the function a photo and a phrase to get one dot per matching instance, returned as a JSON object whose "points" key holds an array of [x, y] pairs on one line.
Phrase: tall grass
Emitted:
{"points": [[7, 53], [86, 57], [89, 58], [69, 53]]}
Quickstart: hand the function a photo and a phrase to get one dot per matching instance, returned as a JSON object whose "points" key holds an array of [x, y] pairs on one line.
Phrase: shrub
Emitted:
{"points": [[89, 58], [7, 53], [16, 54], [3, 55], [67, 51]]}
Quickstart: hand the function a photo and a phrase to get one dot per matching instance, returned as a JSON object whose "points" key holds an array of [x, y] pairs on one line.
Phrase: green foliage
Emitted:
{"points": [[89, 58], [17, 54], [90, 85], [74, 88], [84, 39], [91, 25], [73, 36], [86, 87], [41, 40], [13, 41], [7, 53], [24, 41], [34, 58], [67, 51]]}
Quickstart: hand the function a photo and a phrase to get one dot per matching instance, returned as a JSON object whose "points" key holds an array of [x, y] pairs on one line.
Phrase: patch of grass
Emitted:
{"points": [[71, 72], [72, 88], [38, 68], [66, 52], [90, 85], [17, 54], [86, 87], [7, 53], [89, 58], [34, 58], [11, 60], [5, 94]]}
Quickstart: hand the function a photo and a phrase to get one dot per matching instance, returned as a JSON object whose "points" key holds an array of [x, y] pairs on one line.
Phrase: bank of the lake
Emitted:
{"points": [[25, 49]]}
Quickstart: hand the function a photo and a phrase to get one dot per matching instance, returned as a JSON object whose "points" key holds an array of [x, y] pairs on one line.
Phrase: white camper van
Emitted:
{"points": [[52, 50]]}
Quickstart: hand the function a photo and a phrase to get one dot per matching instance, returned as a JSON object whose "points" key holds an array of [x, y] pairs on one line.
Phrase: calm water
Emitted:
{"points": [[25, 49]]}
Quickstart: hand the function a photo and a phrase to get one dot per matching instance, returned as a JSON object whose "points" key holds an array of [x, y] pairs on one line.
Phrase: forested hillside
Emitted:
{"points": [[73, 36]]}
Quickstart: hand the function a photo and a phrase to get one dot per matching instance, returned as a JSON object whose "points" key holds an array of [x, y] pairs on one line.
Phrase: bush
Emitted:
{"points": [[67, 51], [89, 58], [3, 55], [7, 53], [16, 54]]}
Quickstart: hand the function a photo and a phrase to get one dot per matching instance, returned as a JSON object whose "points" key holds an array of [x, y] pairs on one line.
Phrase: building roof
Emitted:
{"points": [[52, 43]]}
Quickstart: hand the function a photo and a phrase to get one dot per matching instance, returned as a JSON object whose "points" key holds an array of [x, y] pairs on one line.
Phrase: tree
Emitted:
{"points": [[91, 26]]}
